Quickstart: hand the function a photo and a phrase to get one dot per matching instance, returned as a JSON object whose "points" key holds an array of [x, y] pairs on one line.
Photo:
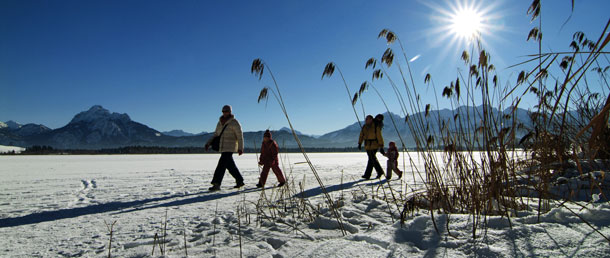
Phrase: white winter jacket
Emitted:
{"points": [[232, 139]]}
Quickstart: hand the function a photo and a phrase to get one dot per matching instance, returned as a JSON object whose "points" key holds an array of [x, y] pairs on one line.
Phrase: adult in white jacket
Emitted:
{"points": [[231, 141]]}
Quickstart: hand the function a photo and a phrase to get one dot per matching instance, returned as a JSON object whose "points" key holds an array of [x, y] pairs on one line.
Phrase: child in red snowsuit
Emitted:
{"points": [[392, 155], [269, 160]]}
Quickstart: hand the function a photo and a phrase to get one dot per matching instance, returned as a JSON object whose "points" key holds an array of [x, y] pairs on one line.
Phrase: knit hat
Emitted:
{"points": [[227, 108], [392, 144], [267, 134]]}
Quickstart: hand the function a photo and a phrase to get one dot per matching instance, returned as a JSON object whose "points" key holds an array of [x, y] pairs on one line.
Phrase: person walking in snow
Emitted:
{"points": [[269, 160], [373, 141], [392, 155], [231, 141]]}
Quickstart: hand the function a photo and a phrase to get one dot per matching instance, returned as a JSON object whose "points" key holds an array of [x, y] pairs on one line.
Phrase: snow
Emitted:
{"points": [[54, 206], [96, 113], [12, 124], [6, 149]]}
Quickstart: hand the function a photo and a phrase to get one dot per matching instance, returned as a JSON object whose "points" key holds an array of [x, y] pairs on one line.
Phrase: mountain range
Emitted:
{"points": [[99, 128]]}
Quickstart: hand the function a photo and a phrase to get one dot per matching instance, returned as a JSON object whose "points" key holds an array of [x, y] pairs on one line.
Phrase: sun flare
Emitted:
{"points": [[466, 23], [461, 24]]}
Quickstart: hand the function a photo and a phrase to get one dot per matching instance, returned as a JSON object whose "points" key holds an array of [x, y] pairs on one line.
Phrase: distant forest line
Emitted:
{"points": [[48, 150]]}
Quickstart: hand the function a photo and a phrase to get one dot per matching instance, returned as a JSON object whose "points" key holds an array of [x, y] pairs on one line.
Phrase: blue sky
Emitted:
{"points": [[173, 64]]}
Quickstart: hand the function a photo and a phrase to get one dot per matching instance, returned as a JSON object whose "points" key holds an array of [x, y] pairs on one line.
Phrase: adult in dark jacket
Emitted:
{"points": [[373, 141], [231, 141], [269, 160]]}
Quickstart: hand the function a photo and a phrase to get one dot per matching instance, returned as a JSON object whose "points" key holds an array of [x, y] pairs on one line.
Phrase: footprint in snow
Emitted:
{"points": [[85, 184]]}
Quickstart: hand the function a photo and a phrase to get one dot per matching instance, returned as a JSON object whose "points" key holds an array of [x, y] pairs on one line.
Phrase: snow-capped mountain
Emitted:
{"points": [[286, 129], [13, 133], [99, 128], [12, 124], [97, 113], [180, 133], [31, 129], [348, 136]]}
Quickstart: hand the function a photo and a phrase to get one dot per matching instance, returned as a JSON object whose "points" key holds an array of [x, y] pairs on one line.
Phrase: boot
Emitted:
{"points": [[238, 185], [214, 188]]}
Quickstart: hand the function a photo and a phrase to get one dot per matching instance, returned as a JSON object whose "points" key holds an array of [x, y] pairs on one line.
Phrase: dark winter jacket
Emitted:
{"points": [[371, 136], [392, 153], [269, 151]]}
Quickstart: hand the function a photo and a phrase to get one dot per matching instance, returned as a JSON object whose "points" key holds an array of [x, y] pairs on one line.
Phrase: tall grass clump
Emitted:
{"points": [[491, 159], [258, 68], [570, 121], [473, 173]]}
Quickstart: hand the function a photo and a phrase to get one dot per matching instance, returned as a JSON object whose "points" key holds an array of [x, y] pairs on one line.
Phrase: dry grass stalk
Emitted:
{"points": [[258, 66], [110, 228]]}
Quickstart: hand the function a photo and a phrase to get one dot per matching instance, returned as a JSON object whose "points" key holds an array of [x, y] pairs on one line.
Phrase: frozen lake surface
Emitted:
{"points": [[58, 205]]}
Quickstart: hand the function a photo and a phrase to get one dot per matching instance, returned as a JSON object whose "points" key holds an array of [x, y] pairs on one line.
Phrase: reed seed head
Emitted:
{"points": [[263, 94], [465, 56], [363, 87], [534, 9], [457, 87], [377, 74], [521, 78], [565, 61], [371, 62], [257, 68], [328, 70], [388, 35], [355, 99], [447, 92], [575, 46], [483, 58], [388, 57], [579, 36]]}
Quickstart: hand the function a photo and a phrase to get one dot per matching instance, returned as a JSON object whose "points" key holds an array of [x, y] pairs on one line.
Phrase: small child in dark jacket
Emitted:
{"points": [[392, 155], [269, 160]]}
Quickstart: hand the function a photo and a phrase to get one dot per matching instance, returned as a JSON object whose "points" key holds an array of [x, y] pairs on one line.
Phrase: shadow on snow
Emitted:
{"points": [[333, 188], [46, 216], [137, 205]]}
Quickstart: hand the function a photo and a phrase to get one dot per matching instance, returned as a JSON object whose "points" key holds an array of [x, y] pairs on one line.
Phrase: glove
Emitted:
{"points": [[240, 152], [382, 151], [359, 146]]}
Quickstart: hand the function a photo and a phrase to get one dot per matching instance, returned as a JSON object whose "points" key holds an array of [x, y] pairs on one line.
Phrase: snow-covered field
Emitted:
{"points": [[53, 206]]}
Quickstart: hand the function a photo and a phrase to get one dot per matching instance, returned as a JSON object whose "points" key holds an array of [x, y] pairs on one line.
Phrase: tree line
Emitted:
{"points": [[48, 150]]}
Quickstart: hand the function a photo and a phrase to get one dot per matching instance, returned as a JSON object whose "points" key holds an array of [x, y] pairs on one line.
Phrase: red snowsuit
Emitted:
{"points": [[269, 160], [392, 155]]}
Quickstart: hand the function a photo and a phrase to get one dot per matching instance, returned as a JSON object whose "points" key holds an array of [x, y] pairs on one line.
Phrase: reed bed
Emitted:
{"points": [[485, 159]]}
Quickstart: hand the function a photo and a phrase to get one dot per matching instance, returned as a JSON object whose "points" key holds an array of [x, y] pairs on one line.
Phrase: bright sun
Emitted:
{"points": [[466, 23]]}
